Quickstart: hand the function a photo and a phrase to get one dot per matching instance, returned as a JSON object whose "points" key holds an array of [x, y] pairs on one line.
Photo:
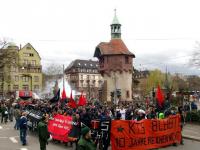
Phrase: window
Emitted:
{"points": [[33, 62], [26, 54], [25, 79], [31, 55], [36, 87], [81, 77], [36, 78], [28, 48], [88, 77], [25, 61], [1, 78], [25, 87], [126, 60], [16, 87], [16, 78], [94, 77], [127, 94], [14, 60], [14, 69]]}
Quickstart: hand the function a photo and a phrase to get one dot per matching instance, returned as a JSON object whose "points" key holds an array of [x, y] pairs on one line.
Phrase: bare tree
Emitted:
{"points": [[53, 69], [8, 61]]}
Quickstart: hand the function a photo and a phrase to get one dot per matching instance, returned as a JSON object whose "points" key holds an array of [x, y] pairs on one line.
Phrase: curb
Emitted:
{"points": [[194, 138]]}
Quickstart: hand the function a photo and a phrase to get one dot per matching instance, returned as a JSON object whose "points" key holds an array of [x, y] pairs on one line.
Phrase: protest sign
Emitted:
{"points": [[59, 127], [145, 134]]}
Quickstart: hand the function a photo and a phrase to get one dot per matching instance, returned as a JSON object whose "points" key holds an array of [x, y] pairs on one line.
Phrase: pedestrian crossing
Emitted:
{"points": [[13, 139]]}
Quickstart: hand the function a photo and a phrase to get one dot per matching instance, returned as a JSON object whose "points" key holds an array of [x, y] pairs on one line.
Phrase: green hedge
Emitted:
{"points": [[193, 116]]}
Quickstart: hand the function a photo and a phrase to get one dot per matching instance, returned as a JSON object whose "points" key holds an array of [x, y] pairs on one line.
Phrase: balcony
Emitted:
{"points": [[30, 66]]}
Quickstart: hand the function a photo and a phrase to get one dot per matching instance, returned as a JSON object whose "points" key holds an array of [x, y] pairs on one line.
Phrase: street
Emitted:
{"points": [[9, 140]]}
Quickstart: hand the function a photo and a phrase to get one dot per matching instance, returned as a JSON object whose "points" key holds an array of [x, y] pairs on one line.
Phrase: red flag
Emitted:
{"points": [[160, 96], [72, 102], [82, 100], [63, 94]]}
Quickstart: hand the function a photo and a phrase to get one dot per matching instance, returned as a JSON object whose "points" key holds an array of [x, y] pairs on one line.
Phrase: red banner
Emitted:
{"points": [[145, 134], [59, 127]]}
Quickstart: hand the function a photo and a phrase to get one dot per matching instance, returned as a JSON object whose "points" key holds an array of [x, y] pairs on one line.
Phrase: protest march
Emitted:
{"points": [[124, 127]]}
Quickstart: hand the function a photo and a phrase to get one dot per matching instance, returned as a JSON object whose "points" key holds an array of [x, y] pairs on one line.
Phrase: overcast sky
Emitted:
{"points": [[159, 32]]}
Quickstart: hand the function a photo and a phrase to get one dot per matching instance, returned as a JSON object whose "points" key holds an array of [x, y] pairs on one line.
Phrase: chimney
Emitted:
{"points": [[20, 46]]}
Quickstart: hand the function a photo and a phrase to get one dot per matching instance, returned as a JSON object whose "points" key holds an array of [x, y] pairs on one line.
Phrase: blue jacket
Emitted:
{"points": [[23, 122]]}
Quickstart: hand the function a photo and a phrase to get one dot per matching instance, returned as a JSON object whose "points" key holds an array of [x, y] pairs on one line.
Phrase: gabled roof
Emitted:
{"points": [[29, 45], [114, 47]]}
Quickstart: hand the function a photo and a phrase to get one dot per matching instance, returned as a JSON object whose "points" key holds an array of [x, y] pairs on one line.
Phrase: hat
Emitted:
{"points": [[85, 130], [141, 111], [161, 116]]}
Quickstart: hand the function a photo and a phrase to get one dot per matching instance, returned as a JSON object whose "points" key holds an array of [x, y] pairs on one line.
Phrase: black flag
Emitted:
{"points": [[56, 97]]}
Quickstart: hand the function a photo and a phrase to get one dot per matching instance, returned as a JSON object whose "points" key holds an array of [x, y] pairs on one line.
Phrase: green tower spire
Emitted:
{"points": [[115, 27]]}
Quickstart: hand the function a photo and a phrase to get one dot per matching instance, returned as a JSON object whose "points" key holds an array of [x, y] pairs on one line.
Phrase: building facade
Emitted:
{"points": [[115, 65], [83, 75], [24, 72]]}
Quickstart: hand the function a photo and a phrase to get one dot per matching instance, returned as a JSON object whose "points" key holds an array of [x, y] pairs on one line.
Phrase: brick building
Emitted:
{"points": [[83, 75]]}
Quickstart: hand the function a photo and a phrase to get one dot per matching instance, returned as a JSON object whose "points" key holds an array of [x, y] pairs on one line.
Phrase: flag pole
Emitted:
{"points": [[63, 76]]}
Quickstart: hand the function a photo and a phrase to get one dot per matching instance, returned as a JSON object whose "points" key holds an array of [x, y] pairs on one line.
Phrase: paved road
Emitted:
{"points": [[9, 140], [188, 145], [198, 105]]}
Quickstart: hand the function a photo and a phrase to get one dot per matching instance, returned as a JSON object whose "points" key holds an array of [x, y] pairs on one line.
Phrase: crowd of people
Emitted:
{"points": [[81, 136]]}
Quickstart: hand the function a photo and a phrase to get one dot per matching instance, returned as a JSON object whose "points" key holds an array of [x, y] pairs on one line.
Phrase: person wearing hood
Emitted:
{"points": [[43, 133], [141, 115], [85, 142]]}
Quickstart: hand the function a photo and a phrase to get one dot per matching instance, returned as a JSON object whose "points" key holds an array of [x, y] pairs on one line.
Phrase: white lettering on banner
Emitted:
{"points": [[55, 125], [65, 121]]}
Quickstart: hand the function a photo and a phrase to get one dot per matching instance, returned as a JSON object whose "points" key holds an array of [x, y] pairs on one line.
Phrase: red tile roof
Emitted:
{"points": [[114, 47]]}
